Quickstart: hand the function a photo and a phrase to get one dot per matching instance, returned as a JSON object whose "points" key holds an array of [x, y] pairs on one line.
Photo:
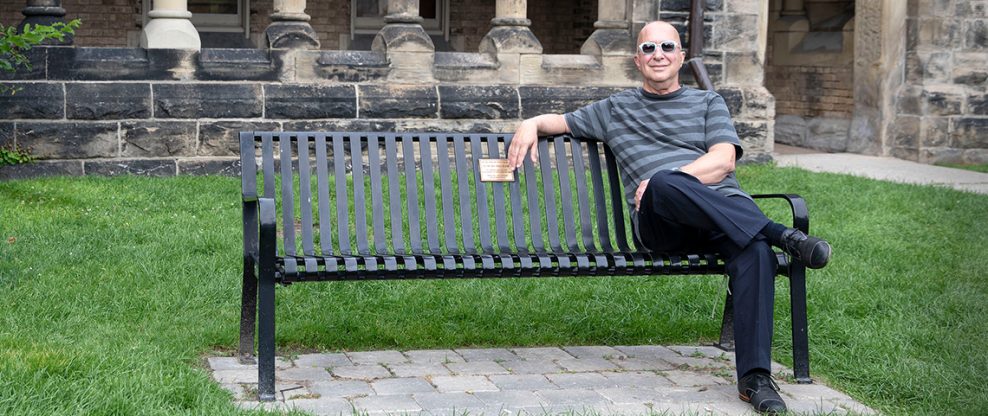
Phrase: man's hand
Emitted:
{"points": [[526, 137], [639, 192], [525, 140]]}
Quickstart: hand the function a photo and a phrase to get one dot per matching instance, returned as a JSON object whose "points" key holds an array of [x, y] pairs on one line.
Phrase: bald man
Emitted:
{"points": [[677, 147]]}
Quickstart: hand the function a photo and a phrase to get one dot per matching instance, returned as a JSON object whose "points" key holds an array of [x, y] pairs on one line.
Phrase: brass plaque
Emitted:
{"points": [[495, 170]]}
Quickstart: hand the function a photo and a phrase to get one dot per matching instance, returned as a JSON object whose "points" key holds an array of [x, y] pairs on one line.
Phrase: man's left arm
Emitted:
{"points": [[714, 166]]}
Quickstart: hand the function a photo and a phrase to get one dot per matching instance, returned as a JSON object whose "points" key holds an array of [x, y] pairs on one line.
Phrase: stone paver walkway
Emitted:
{"points": [[591, 380]]}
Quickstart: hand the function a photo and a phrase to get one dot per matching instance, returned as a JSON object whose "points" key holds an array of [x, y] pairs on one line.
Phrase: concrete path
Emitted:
{"points": [[594, 380], [883, 168]]}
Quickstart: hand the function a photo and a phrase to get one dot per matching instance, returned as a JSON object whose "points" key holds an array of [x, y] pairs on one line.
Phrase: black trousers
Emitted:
{"points": [[678, 213]]}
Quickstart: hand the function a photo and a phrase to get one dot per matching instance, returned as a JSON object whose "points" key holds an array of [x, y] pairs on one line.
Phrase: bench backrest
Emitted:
{"points": [[358, 194]]}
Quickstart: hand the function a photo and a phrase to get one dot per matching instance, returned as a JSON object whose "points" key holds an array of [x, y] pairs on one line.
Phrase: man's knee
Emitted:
{"points": [[662, 181], [756, 255]]}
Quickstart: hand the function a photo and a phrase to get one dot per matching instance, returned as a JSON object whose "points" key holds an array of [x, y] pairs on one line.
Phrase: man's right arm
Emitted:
{"points": [[527, 136]]}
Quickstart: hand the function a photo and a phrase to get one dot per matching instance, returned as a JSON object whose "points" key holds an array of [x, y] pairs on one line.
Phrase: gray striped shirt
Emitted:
{"points": [[649, 133]]}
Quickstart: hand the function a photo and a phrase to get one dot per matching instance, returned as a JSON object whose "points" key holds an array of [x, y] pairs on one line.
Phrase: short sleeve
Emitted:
{"points": [[590, 121], [719, 126]]}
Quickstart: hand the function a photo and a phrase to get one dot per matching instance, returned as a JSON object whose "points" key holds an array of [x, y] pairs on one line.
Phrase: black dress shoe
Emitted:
{"points": [[812, 251], [761, 391]]}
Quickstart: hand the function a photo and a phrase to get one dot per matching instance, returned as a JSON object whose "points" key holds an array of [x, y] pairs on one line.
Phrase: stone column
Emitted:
{"points": [[403, 31], [170, 27], [45, 12], [509, 32], [611, 36], [290, 28]]}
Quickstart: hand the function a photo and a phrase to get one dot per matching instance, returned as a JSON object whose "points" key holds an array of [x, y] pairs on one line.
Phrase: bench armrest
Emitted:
{"points": [[800, 215]]}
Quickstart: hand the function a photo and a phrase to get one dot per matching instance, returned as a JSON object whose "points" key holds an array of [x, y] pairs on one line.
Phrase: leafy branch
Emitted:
{"points": [[14, 44]]}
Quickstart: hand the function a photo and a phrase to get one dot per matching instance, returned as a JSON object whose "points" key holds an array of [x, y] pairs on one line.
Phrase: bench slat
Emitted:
{"points": [[548, 195], [305, 195], [483, 212], [464, 174], [600, 203], [342, 212], [322, 182], [267, 164], [429, 190], [394, 193], [411, 195], [287, 196], [446, 192], [565, 192], [359, 201], [377, 203], [582, 201], [617, 200], [534, 213]]}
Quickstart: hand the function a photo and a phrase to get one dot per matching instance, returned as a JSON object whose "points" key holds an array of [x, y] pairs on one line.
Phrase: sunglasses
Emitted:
{"points": [[667, 46]]}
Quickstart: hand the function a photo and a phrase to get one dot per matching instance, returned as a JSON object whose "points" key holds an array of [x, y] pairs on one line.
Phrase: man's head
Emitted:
{"points": [[659, 56]]}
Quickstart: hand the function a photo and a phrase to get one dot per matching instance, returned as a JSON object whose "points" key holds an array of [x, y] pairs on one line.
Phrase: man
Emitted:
{"points": [[677, 147]]}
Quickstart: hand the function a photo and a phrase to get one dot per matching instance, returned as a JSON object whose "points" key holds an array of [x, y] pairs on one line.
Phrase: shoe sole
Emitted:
{"points": [[827, 251]]}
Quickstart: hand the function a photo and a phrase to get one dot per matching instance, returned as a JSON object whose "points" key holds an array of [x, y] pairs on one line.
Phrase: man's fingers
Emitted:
{"points": [[535, 152]]}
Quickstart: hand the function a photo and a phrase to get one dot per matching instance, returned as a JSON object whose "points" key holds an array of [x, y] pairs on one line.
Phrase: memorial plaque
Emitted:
{"points": [[495, 170]]}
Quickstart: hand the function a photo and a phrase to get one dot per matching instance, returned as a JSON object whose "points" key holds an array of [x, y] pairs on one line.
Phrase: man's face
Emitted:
{"points": [[660, 65]]}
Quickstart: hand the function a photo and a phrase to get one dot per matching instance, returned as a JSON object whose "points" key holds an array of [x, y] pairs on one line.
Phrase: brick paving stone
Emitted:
{"points": [[692, 350], [341, 388], [231, 363], [637, 379], [542, 353], [522, 382], [647, 351], [450, 384], [361, 372], [631, 395], [693, 378], [440, 401], [393, 403], [531, 366], [569, 397], [586, 364], [695, 362], [246, 375], [321, 406], [289, 391], [236, 389], [477, 368], [487, 354], [580, 380], [433, 357], [419, 370], [594, 351], [327, 360], [510, 399], [643, 364], [407, 385], [377, 357], [304, 374]]}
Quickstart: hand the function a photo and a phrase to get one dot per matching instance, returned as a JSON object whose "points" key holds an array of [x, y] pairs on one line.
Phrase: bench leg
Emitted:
{"points": [[248, 313], [265, 332], [726, 342], [800, 339]]}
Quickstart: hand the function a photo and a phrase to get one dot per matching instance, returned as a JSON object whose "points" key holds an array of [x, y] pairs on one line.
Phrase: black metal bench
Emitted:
{"points": [[412, 206]]}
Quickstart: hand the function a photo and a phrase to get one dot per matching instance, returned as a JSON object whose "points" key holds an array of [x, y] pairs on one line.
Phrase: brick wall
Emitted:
{"points": [[812, 91], [104, 22], [470, 20]]}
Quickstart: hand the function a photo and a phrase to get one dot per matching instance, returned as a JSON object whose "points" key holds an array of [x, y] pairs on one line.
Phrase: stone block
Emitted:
{"points": [[42, 168], [531, 366], [39, 100], [943, 101], [433, 356], [543, 100], [119, 64], [734, 32], [398, 101], [139, 167], [830, 134], [6, 134], [476, 368], [905, 131], [734, 99], [910, 100], [970, 68], [542, 353], [308, 101], [473, 102], [936, 155], [345, 388], [790, 129], [937, 32], [580, 381], [971, 9], [325, 360], [407, 385], [37, 66], [222, 138], [158, 138], [968, 132], [759, 103], [684, 5], [207, 100], [935, 131], [339, 125], [977, 104], [239, 64], [753, 134], [586, 364], [419, 369], [209, 166], [101, 101], [391, 404], [451, 384], [573, 397], [594, 351], [342, 66], [977, 156], [521, 382], [976, 34], [55, 140], [936, 66], [361, 372]]}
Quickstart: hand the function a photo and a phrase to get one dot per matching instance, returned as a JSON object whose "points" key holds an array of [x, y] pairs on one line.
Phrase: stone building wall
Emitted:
{"points": [[112, 111], [943, 108]]}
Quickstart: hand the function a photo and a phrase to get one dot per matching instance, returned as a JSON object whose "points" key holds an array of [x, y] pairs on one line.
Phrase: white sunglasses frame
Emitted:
{"points": [[658, 47]]}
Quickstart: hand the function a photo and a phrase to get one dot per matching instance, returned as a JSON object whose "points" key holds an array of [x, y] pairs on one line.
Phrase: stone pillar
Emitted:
{"points": [[170, 27], [509, 30], [290, 28], [611, 35], [879, 62], [409, 49], [45, 12]]}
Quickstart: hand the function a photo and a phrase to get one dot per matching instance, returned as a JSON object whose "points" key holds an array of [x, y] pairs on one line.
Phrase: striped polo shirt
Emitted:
{"points": [[649, 132]]}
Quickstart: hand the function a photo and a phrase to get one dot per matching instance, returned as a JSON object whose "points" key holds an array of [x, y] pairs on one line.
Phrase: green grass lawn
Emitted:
{"points": [[114, 290]]}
